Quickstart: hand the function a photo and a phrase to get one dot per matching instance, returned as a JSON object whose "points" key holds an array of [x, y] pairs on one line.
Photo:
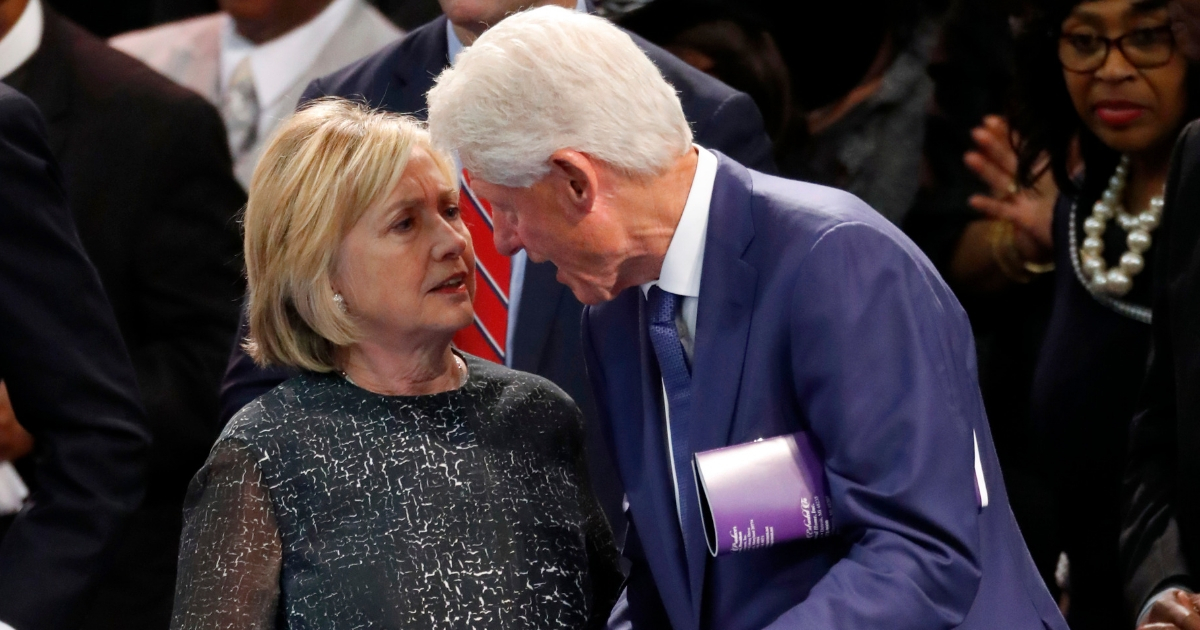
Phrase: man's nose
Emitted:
{"points": [[505, 234]]}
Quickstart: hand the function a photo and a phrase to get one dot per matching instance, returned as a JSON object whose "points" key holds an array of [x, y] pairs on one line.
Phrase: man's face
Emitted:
{"points": [[1185, 16], [586, 247], [479, 15]]}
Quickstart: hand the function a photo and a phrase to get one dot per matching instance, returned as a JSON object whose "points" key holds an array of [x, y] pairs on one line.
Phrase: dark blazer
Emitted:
{"points": [[546, 339], [147, 172], [71, 385], [816, 314], [1160, 541]]}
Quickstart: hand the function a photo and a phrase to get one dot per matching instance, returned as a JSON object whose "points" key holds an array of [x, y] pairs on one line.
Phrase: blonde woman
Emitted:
{"points": [[396, 483]]}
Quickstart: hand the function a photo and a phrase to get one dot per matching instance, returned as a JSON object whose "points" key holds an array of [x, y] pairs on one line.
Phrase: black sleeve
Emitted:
{"points": [[229, 521], [189, 277], [1150, 546], [70, 382], [736, 129]]}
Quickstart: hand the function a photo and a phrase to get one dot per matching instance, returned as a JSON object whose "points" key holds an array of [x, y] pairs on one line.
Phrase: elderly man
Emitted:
{"points": [[728, 305], [524, 318], [1160, 541]]}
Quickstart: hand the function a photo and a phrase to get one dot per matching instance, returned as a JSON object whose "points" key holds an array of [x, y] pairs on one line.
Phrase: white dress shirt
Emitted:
{"points": [[681, 270], [516, 281], [23, 39], [278, 64]]}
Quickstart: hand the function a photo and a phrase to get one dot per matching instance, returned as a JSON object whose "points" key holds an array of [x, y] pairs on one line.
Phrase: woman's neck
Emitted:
{"points": [[410, 371], [1147, 177]]}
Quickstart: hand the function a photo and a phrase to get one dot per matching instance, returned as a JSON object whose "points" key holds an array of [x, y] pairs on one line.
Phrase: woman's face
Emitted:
{"points": [[406, 270], [1129, 108]]}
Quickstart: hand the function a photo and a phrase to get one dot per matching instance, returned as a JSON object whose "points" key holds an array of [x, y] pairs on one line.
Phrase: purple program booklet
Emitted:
{"points": [[762, 493]]}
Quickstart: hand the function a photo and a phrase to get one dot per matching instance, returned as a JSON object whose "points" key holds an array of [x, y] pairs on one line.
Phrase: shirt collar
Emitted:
{"points": [[23, 39], [684, 261], [278, 64], [455, 45]]}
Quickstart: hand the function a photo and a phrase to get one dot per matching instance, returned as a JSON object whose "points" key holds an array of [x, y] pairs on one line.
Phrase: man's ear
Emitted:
{"points": [[576, 179]]}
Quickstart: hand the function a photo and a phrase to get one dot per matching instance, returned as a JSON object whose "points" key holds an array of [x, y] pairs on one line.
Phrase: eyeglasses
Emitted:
{"points": [[1142, 48]]}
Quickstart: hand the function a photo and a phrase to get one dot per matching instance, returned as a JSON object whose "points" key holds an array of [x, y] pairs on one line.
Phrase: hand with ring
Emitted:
{"points": [[1031, 210]]}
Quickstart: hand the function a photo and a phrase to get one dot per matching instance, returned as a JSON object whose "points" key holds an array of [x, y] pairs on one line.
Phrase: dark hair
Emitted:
{"points": [[737, 41], [1043, 116]]}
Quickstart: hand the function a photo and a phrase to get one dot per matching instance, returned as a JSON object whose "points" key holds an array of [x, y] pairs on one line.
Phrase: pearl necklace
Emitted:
{"points": [[1118, 280]]}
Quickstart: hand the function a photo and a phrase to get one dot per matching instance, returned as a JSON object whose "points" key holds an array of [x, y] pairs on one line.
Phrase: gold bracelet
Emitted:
{"points": [[1034, 268], [1038, 269], [1004, 253]]}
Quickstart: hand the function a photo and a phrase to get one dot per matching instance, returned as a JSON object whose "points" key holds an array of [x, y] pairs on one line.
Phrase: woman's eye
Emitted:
{"points": [[403, 225], [452, 212], [1149, 36], [1084, 42]]}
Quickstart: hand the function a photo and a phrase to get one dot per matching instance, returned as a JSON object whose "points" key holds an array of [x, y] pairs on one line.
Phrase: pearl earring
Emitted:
{"points": [[340, 301]]}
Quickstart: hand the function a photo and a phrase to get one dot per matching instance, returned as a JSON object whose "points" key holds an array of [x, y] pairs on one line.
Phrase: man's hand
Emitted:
{"points": [[1172, 609], [15, 441]]}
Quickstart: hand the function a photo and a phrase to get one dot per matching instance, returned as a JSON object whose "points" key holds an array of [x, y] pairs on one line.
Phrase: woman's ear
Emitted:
{"points": [[575, 177]]}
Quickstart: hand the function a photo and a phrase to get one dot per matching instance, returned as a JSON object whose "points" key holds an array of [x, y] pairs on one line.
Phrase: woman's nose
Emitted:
{"points": [[1116, 67], [451, 241]]}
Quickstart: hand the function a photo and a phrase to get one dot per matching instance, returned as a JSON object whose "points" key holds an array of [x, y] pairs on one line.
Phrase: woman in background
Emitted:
{"points": [[1103, 76], [396, 483]]}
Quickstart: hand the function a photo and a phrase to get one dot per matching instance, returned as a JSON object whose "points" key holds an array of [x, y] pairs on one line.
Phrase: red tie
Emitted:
{"points": [[486, 338]]}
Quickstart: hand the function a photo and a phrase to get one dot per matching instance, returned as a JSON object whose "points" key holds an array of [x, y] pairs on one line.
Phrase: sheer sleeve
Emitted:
{"points": [[230, 554]]}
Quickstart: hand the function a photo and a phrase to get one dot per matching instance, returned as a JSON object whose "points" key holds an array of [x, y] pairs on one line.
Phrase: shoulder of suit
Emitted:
{"points": [[111, 84], [184, 34], [376, 68], [1189, 139], [793, 207]]}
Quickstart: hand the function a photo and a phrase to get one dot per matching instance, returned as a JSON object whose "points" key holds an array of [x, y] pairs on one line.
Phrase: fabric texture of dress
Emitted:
{"points": [[324, 505]]}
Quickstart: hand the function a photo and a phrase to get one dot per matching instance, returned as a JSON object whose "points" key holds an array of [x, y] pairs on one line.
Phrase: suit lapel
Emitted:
{"points": [[428, 54], [541, 294], [45, 79], [638, 432], [727, 289]]}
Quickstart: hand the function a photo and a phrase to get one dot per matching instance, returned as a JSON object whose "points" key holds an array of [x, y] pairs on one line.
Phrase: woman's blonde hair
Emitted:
{"points": [[323, 169]]}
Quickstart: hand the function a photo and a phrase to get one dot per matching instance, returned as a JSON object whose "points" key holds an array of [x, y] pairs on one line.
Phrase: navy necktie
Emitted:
{"points": [[677, 379]]}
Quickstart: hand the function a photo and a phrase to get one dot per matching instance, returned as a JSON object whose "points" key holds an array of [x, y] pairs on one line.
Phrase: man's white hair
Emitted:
{"points": [[549, 79]]}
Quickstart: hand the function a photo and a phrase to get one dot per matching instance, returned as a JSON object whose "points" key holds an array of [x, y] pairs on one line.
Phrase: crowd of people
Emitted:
{"points": [[322, 313]]}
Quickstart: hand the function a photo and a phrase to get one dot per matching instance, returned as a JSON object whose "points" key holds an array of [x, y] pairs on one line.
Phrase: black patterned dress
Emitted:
{"points": [[324, 505]]}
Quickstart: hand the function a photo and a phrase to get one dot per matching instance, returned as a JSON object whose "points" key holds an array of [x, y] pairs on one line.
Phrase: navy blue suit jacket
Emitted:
{"points": [[546, 339], [816, 314]]}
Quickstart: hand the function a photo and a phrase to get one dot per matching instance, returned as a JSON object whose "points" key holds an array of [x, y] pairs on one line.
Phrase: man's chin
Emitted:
{"points": [[590, 295]]}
